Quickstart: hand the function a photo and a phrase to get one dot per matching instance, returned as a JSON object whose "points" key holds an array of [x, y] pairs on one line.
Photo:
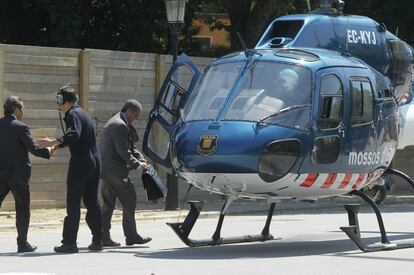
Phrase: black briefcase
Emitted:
{"points": [[153, 184]]}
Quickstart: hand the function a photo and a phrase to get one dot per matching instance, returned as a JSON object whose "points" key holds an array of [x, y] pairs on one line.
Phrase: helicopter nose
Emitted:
{"points": [[235, 149]]}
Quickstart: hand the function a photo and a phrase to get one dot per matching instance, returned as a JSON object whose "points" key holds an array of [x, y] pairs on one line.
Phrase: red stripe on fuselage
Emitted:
{"points": [[359, 181], [346, 181], [329, 181], [310, 180]]}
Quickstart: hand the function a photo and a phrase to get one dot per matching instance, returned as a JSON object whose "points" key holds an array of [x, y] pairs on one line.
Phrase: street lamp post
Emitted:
{"points": [[175, 15]]}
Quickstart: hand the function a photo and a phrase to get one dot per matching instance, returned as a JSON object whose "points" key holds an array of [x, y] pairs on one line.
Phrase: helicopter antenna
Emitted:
{"points": [[331, 7], [247, 52], [396, 31], [346, 40], [309, 5], [242, 43], [339, 5]]}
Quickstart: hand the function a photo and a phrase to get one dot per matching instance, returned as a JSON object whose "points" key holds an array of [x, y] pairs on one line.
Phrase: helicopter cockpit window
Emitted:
{"points": [[362, 102], [211, 91], [177, 86], [275, 93], [331, 102]]}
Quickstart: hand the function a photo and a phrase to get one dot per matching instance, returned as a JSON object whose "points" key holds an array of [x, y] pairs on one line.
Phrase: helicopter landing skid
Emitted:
{"points": [[353, 231], [183, 229]]}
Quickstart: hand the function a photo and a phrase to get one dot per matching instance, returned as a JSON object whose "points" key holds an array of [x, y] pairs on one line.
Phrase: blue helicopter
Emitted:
{"points": [[313, 111]]}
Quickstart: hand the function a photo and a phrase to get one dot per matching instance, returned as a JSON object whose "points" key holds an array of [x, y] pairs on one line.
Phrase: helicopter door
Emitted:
{"points": [[329, 134], [165, 114], [362, 128]]}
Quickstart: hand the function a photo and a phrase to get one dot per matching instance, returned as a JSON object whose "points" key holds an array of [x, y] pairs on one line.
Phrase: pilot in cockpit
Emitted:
{"points": [[288, 87], [282, 91], [288, 79]]}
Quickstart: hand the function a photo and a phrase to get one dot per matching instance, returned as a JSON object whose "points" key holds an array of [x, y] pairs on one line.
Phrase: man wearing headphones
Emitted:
{"points": [[83, 174]]}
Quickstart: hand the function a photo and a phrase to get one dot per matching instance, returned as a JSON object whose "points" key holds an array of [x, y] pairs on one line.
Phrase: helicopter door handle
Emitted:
{"points": [[374, 127], [153, 113], [341, 131]]}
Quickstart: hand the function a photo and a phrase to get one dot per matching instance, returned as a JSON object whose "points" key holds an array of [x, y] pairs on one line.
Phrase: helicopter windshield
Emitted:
{"points": [[265, 89], [211, 91]]}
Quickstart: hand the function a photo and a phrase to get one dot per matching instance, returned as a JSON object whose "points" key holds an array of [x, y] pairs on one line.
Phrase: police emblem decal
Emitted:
{"points": [[207, 145]]}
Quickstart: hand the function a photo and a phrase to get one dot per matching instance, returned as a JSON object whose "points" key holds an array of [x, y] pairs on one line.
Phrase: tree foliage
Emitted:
{"points": [[141, 25], [134, 25], [398, 15], [251, 17]]}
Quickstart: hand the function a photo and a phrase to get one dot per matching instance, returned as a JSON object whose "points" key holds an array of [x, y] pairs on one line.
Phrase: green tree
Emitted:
{"points": [[251, 17], [141, 25], [124, 25], [134, 25], [397, 15], [22, 22]]}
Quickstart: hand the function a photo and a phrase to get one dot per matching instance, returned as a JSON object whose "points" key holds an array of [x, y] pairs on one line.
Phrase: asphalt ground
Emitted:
{"points": [[306, 244], [52, 218]]}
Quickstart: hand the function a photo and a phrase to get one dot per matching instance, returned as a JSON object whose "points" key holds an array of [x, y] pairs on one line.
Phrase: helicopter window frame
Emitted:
{"points": [[325, 122], [173, 94], [365, 113]]}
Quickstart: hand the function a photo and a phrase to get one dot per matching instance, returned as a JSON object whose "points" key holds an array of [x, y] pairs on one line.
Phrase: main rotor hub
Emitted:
{"points": [[332, 6]]}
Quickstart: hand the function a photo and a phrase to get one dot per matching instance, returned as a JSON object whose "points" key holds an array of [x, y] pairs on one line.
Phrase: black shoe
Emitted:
{"points": [[95, 246], [26, 247], [66, 248], [110, 243], [137, 240]]}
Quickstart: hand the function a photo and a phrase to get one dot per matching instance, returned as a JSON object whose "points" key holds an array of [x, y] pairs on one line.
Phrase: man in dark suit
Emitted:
{"points": [[83, 173], [15, 168], [119, 156]]}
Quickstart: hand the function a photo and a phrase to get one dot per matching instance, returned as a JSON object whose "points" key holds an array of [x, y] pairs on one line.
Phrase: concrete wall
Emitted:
{"points": [[104, 80], [35, 74]]}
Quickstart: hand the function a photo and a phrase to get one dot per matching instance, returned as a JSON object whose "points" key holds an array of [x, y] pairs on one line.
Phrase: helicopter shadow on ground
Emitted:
{"points": [[271, 249]]}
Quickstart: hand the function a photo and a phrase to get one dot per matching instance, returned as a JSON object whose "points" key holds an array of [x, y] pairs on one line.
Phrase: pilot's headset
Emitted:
{"points": [[65, 94]]}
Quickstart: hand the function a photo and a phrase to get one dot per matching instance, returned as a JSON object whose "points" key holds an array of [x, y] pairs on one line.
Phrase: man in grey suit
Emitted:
{"points": [[15, 168], [119, 156]]}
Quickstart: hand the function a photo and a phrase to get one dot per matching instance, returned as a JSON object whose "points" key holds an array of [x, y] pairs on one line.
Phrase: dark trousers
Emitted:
{"points": [[82, 184], [123, 189], [18, 183]]}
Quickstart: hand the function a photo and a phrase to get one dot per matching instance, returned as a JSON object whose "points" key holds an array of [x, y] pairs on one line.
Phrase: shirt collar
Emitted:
{"points": [[72, 107], [11, 116], [123, 117]]}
